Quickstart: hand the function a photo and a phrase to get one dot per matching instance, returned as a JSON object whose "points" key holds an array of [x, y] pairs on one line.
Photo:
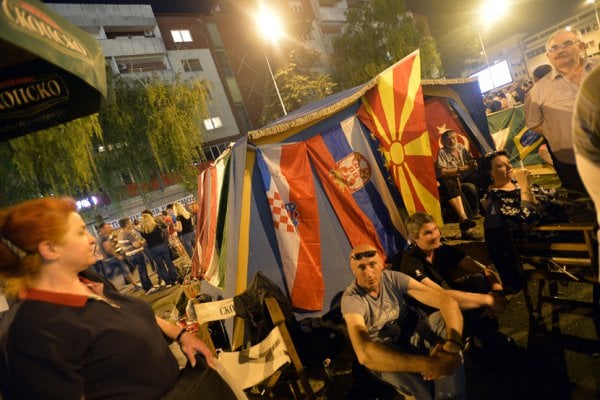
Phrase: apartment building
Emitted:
{"points": [[138, 43]]}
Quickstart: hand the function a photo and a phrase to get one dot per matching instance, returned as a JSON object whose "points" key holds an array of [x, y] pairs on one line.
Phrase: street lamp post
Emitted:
{"points": [[490, 11], [275, 83], [487, 61], [270, 28]]}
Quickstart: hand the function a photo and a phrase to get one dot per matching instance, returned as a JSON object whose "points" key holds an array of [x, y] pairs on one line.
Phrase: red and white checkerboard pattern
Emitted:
{"points": [[281, 219]]}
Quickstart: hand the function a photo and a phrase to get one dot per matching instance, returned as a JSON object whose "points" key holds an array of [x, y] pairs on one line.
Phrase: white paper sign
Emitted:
{"points": [[252, 366]]}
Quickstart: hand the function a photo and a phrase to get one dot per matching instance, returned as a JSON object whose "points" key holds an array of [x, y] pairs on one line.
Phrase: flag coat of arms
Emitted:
{"points": [[355, 185], [289, 185], [394, 112]]}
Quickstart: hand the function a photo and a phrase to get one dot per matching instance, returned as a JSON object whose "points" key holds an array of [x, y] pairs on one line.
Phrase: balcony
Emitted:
{"points": [[123, 46]]}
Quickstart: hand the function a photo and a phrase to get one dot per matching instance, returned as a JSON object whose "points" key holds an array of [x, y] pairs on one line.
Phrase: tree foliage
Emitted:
{"points": [[58, 160], [377, 34], [153, 127], [298, 84], [457, 37]]}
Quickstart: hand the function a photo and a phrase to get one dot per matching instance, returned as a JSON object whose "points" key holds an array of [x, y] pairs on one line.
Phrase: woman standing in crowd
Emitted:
{"points": [[70, 336], [159, 250], [185, 228]]}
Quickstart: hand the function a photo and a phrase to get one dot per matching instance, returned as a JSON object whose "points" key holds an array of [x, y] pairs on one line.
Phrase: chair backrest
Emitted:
{"points": [[271, 354], [570, 250], [558, 252]]}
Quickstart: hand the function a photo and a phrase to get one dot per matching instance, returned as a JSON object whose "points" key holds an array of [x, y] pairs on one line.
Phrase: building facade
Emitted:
{"points": [[137, 43]]}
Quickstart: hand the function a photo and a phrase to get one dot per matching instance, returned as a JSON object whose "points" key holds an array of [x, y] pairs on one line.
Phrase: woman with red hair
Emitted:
{"points": [[68, 335]]}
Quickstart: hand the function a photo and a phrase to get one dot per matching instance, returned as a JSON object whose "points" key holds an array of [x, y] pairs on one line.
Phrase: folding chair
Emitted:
{"points": [[573, 257], [223, 309]]}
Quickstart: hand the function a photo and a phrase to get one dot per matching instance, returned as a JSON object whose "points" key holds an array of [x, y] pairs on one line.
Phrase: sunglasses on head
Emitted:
{"points": [[359, 256]]}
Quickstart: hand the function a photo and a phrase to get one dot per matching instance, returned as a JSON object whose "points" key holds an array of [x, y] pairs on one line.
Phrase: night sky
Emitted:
{"points": [[527, 16]]}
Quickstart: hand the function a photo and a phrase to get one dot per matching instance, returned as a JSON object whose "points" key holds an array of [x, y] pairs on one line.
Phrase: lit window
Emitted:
{"points": [[191, 65], [212, 123], [181, 36]]}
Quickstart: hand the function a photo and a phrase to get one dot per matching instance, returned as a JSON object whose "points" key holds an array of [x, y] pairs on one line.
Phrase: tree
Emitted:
{"points": [[298, 85], [152, 127], [58, 160], [457, 37], [377, 34]]}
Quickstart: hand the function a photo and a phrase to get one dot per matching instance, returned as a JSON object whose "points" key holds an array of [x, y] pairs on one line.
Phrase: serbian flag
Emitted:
{"points": [[288, 181], [213, 183], [394, 112], [356, 188]]}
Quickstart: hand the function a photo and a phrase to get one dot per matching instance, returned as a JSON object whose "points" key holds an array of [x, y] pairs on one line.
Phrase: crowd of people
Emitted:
{"points": [[153, 241], [70, 334]]}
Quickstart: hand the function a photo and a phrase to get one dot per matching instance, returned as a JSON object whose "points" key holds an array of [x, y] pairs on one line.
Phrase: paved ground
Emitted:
{"points": [[556, 362]]}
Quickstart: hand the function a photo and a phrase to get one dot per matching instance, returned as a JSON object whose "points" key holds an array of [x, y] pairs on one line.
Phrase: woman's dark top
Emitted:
{"points": [[65, 346], [186, 224], [154, 238]]}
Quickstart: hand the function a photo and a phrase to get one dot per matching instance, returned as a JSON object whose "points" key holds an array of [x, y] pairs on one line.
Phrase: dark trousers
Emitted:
{"points": [[201, 382], [484, 328]]}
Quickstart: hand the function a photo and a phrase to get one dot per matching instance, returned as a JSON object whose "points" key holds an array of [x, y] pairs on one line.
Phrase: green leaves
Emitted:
{"points": [[298, 85], [377, 34], [152, 129]]}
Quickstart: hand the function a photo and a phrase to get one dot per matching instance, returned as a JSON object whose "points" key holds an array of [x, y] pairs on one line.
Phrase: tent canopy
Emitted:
{"points": [[238, 194]]}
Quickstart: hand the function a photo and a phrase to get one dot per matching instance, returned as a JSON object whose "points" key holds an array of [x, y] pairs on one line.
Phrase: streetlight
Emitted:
{"points": [[595, 11], [270, 28], [490, 11]]}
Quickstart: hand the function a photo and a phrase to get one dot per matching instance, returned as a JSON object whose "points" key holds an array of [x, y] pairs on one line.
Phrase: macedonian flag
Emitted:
{"points": [[394, 112]]}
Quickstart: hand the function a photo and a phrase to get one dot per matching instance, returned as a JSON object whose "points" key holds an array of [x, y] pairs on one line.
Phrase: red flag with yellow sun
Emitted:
{"points": [[394, 112]]}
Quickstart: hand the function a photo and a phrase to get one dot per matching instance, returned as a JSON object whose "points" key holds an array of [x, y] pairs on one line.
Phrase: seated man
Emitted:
{"points": [[476, 288], [453, 163], [419, 358]]}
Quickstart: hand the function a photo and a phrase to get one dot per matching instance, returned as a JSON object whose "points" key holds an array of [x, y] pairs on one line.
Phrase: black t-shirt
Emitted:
{"points": [[186, 224], [445, 259], [154, 238]]}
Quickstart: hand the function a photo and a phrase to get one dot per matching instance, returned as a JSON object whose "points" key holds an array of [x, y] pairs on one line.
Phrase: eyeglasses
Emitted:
{"points": [[359, 256], [565, 45]]}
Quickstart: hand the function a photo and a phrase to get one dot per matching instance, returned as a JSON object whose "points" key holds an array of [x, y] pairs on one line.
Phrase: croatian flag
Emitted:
{"points": [[288, 181]]}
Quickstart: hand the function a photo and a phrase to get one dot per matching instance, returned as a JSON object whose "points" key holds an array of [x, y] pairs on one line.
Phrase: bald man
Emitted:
{"points": [[550, 103], [416, 353]]}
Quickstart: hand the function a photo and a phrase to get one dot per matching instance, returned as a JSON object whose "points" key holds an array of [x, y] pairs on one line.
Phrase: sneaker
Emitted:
{"points": [[151, 290], [169, 286], [137, 287], [467, 224]]}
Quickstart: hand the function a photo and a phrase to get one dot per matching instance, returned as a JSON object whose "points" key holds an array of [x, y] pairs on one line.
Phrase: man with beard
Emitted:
{"points": [[453, 164], [549, 106], [474, 286]]}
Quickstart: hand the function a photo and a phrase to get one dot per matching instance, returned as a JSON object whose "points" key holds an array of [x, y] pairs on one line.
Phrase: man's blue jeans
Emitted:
{"points": [[112, 265], [430, 331], [139, 261]]}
